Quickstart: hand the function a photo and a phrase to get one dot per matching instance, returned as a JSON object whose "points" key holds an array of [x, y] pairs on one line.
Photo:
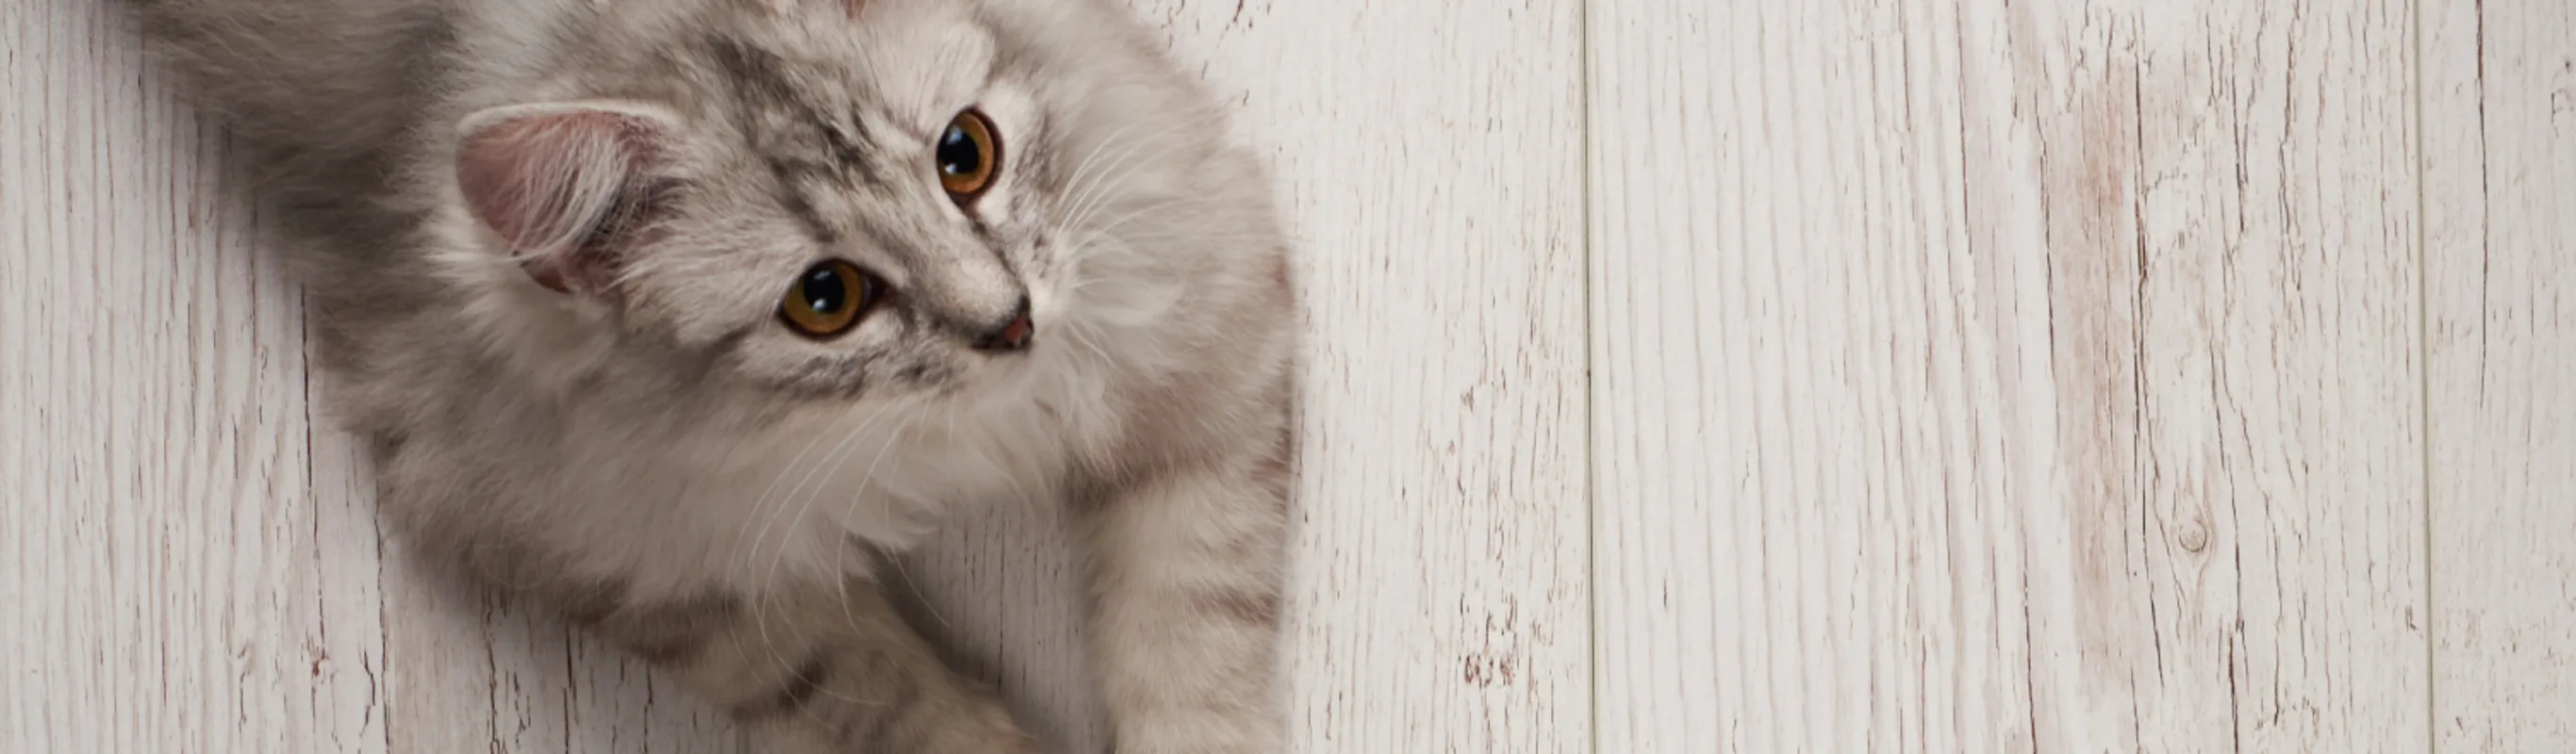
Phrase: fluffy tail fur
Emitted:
{"points": [[324, 95], [318, 87]]}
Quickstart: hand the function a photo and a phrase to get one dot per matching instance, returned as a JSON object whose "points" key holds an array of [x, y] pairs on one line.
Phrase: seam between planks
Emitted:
{"points": [[1588, 70], [2424, 371]]}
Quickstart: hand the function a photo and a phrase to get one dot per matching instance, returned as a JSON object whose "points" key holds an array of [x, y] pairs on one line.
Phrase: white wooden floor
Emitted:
{"points": [[1686, 376]]}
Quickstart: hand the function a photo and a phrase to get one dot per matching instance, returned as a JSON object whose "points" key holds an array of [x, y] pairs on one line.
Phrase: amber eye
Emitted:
{"points": [[968, 154], [828, 299]]}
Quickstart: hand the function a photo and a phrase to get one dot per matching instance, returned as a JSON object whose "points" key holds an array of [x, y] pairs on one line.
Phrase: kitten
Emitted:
{"points": [[665, 313]]}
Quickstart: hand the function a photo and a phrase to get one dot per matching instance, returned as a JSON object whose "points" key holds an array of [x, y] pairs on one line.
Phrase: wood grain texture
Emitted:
{"points": [[2230, 551], [1429, 154], [2054, 380], [2500, 199], [1431, 157], [1804, 509], [168, 579]]}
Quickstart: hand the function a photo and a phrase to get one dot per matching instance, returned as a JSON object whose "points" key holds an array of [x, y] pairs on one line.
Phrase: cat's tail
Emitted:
{"points": [[321, 96], [312, 83]]}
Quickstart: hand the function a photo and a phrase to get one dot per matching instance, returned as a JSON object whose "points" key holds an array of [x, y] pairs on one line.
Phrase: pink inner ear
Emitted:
{"points": [[544, 182]]}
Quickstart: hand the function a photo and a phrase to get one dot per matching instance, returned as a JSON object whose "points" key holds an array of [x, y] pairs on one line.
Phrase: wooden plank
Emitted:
{"points": [[2221, 197], [171, 580], [2051, 158], [2056, 386], [1805, 514], [1429, 154], [2500, 266]]}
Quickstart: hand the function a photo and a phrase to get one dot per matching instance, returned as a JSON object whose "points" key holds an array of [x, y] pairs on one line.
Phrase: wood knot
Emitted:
{"points": [[2193, 537]]}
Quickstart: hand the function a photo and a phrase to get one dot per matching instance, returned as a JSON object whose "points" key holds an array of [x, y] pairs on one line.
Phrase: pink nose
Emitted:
{"points": [[1014, 333]]}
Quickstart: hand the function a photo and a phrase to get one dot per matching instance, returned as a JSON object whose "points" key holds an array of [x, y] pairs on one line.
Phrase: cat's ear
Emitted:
{"points": [[564, 185]]}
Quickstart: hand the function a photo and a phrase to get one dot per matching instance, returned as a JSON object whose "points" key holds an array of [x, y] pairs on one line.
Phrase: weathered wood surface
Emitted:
{"points": [[1990, 376], [2500, 274], [1682, 377]]}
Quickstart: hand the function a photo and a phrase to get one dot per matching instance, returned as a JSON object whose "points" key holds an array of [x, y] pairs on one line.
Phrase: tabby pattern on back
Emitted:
{"points": [[667, 313]]}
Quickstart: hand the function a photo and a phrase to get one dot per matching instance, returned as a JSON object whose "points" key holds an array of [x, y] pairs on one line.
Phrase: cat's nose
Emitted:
{"points": [[1012, 334]]}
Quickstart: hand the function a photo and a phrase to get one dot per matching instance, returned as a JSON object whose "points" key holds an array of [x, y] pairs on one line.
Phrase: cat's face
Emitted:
{"points": [[840, 201]]}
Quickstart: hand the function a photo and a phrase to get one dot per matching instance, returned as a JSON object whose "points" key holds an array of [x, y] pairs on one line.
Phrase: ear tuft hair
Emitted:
{"points": [[563, 185]]}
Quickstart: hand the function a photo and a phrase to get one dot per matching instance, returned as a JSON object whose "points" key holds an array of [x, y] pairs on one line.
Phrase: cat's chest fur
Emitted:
{"points": [[679, 503]]}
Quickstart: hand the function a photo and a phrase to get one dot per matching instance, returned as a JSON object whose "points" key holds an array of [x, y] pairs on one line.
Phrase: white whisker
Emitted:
{"points": [[1076, 190], [772, 516], [1086, 199]]}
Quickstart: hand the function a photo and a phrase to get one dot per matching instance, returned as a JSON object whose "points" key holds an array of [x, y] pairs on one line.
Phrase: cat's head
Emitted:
{"points": [[839, 200]]}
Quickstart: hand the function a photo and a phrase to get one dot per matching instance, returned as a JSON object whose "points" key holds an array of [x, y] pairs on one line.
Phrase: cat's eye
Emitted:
{"points": [[829, 298], [969, 153]]}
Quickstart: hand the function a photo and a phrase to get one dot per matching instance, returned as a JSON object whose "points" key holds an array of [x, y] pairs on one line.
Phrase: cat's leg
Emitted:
{"points": [[1188, 606], [817, 668]]}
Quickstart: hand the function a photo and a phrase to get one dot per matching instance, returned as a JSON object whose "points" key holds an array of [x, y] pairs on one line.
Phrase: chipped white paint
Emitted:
{"points": [[2500, 267], [2207, 211], [2055, 383], [172, 577], [1962, 376]]}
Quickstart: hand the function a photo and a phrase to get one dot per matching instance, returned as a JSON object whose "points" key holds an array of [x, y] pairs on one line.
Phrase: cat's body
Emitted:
{"points": [[586, 271]]}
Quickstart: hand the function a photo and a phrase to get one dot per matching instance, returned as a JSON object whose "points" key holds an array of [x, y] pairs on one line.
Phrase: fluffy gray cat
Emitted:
{"points": [[667, 313]]}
